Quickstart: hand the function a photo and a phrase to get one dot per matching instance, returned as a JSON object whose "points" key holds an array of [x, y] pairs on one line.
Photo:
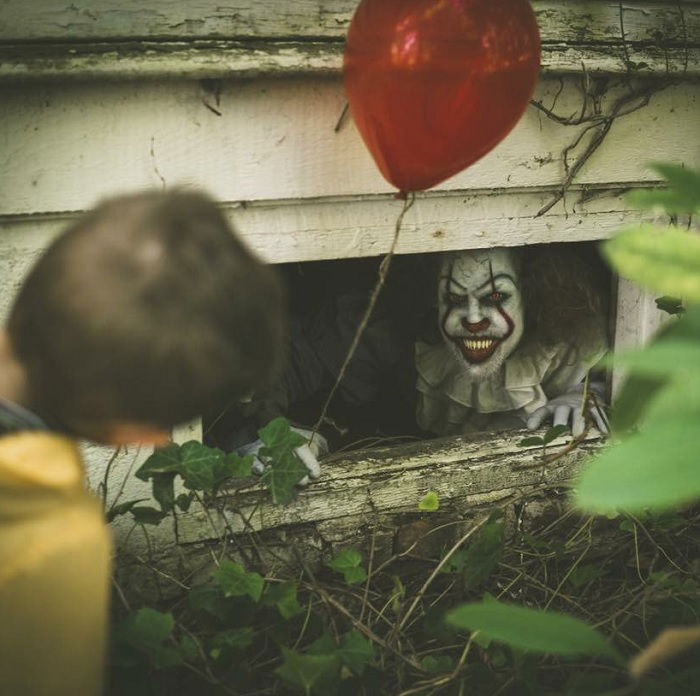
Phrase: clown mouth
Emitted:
{"points": [[477, 350]]}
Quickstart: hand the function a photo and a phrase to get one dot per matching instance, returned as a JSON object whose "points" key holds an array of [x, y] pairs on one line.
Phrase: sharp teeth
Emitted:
{"points": [[481, 344]]}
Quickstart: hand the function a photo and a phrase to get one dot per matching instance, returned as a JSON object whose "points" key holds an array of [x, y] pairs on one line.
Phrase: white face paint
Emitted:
{"points": [[480, 308]]}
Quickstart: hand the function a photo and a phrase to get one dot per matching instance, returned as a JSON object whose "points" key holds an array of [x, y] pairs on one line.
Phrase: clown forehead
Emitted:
{"points": [[471, 270]]}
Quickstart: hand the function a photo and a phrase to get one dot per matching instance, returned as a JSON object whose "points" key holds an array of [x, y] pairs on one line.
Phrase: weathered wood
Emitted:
{"points": [[369, 488], [64, 146], [208, 39], [215, 59], [590, 21], [637, 320], [287, 231]]}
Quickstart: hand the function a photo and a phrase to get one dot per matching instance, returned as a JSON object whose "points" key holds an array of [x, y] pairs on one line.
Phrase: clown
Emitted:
{"points": [[493, 369], [516, 332]]}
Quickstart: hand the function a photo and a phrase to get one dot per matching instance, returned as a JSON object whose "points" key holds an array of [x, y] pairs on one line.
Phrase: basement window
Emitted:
{"points": [[516, 324]]}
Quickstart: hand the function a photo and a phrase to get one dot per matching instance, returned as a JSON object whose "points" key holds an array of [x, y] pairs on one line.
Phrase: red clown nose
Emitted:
{"points": [[434, 85]]}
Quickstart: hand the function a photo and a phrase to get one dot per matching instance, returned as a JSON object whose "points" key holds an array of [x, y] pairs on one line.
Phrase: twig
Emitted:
{"points": [[435, 572], [383, 271], [105, 478], [341, 118], [155, 164]]}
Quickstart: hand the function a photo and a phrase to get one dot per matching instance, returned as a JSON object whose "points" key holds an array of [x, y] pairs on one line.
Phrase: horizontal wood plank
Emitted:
{"points": [[57, 39], [306, 231], [225, 59], [63, 147], [583, 21], [358, 488]]}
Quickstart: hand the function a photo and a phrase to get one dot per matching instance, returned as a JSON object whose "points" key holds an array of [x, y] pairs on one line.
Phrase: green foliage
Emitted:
{"points": [[355, 652], [664, 259], [552, 434], [320, 669], [310, 673], [480, 558], [283, 595], [205, 470], [532, 630], [147, 515], [436, 664], [285, 469], [231, 640], [656, 467], [236, 582], [239, 628], [681, 196], [121, 509], [144, 636], [349, 563], [430, 502], [670, 305]]}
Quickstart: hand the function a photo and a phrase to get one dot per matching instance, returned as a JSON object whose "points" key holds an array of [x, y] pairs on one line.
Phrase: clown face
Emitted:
{"points": [[480, 308]]}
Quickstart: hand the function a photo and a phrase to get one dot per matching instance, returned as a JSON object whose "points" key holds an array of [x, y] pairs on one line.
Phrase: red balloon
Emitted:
{"points": [[433, 85]]}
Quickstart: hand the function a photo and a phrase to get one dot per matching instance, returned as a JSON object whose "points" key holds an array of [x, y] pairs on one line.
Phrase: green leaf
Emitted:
{"points": [[662, 358], [207, 598], [278, 433], [657, 468], [237, 466], [356, 652], [632, 401], [455, 562], [236, 582], [309, 671], [665, 259], [553, 433], [678, 399], [189, 650], [123, 508], [398, 593], [164, 490], [348, 562], [167, 656], [233, 639], [145, 630], [532, 630], [282, 475], [483, 555], [583, 574], [670, 305], [283, 595], [533, 441], [163, 460], [325, 645], [199, 466], [437, 664], [184, 500], [627, 526], [430, 502], [148, 515], [682, 195]]}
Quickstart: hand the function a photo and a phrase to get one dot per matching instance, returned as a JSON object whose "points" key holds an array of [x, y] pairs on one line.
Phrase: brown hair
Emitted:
{"points": [[565, 288], [148, 309]]}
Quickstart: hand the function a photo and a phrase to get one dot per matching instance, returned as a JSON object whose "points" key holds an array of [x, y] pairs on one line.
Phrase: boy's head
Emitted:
{"points": [[145, 313]]}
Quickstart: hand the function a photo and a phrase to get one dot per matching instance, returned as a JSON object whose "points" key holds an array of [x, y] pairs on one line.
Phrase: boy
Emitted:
{"points": [[142, 315]]}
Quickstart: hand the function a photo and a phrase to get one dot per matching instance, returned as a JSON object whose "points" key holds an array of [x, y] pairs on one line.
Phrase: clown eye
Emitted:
{"points": [[453, 299], [494, 298]]}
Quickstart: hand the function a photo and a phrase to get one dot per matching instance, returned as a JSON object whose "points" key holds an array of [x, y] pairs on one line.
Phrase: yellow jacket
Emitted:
{"points": [[54, 571]]}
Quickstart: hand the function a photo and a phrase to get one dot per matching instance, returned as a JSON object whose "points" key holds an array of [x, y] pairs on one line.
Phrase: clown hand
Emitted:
{"points": [[568, 409], [307, 453]]}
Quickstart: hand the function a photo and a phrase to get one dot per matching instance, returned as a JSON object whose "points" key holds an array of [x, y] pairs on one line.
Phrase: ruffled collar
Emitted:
{"points": [[514, 386]]}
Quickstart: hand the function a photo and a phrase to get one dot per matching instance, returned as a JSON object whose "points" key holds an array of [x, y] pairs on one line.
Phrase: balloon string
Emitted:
{"points": [[383, 272]]}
